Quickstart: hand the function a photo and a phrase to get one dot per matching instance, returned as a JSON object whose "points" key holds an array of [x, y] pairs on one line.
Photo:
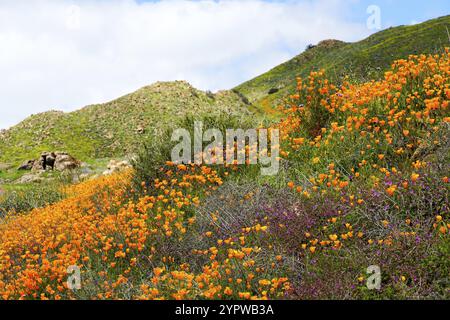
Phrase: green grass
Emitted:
{"points": [[11, 175]]}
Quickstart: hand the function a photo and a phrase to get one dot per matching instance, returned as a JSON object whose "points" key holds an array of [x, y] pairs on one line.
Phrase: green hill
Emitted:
{"points": [[363, 60], [115, 128]]}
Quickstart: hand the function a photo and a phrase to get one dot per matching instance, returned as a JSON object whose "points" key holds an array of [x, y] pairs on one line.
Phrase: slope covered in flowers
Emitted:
{"points": [[364, 181]]}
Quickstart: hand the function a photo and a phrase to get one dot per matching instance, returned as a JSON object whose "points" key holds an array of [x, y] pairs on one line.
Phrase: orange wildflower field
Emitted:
{"points": [[363, 181]]}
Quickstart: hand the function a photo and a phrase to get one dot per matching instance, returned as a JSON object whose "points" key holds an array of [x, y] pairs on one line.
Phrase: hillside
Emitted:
{"points": [[361, 194], [363, 60], [114, 128]]}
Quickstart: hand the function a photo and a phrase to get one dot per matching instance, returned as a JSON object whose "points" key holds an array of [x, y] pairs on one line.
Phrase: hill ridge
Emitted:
{"points": [[365, 59]]}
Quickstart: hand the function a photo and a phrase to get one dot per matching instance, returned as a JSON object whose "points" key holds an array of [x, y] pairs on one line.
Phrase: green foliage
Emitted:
{"points": [[439, 262], [29, 197], [157, 150], [148, 161]]}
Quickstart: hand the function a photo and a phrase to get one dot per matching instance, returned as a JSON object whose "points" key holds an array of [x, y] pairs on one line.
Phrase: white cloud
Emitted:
{"points": [[58, 55]]}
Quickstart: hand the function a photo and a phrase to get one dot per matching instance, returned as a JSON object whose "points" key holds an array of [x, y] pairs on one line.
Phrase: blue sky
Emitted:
{"points": [[65, 54], [394, 12], [398, 12]]}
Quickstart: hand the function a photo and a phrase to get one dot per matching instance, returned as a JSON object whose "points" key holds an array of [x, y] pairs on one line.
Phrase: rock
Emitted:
{"points": [[60, 161], [30, 178], [46, 161], [84, 173], [65, 161], [38, 165], [117, 166], [86, 170], [27, 165]]}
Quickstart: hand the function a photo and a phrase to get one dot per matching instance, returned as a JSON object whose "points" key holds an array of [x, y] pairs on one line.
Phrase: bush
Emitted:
{"points": [[36, 196], [149, 160], [157, 151]]}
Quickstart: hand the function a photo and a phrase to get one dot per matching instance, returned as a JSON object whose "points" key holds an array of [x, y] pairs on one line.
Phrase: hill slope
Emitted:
{"points": [[114, 128], [371, 190], [366, 59]]}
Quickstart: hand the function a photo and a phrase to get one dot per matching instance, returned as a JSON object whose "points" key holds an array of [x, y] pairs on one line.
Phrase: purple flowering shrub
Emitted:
{"points": [[398, 233]]}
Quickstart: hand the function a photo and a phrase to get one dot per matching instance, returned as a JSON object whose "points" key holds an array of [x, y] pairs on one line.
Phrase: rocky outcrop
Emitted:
{"points": [[59, 161], [45, 162]]}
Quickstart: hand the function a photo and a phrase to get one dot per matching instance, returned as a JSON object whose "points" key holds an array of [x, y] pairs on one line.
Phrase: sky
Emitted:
{"points": [[65, 54]]}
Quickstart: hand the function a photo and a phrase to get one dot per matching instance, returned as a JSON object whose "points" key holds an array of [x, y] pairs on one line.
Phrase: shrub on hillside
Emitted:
{"points": [[36, 196], [157, 151]]}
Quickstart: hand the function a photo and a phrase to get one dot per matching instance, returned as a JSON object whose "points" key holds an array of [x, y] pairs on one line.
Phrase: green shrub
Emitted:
{"points": [[33, 196], [157, 151], [149, 159]]}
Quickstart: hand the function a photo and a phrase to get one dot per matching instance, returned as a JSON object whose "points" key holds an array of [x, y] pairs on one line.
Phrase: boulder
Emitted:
{"points": [[60, 161], [27, 165], [46, 161], [30, 178], [65, 161], [117, 166], [38, 165]]}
